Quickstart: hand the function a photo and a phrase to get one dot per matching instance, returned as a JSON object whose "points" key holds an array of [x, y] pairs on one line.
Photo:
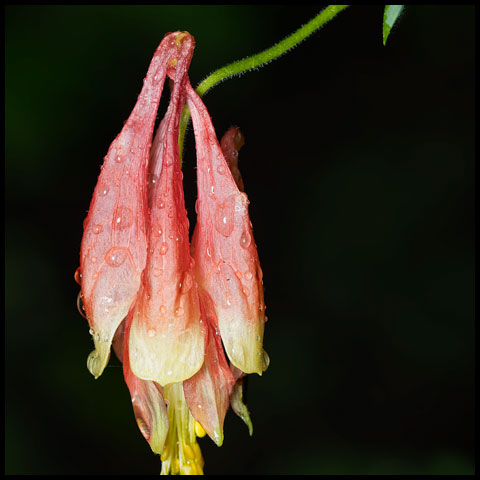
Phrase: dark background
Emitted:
{"points": [[359, 164]]}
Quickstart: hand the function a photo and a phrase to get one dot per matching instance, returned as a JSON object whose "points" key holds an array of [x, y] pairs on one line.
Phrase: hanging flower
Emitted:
{"points": [[170, 310]]}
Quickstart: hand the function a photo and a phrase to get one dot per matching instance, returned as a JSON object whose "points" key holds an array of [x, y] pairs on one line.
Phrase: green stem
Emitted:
{"points": [[258, 60]]}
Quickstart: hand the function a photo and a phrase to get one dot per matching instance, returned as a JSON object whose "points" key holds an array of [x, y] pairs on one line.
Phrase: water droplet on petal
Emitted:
{"points": [[224, 220], [123, 218], [221, 169], [163, 248], [245, 239], [163, 309], [152, 178], [266, 360], [238, 274], [78, 276], [97, 229], [157, 272], [119, 159], [94, 259], [161, 204], [104, 190], [116, 256], [248, 275], [157, 231], [179, 312], [246, 291], [151, 332]]}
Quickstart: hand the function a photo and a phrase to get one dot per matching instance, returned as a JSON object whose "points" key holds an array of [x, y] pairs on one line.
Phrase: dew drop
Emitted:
{"points": [[245, 239], [161, 204], [163, 309], [158, 231], [170, 212], [163, 248], [246, 291], [151, 332], [104, 190], [123, 218], [212, 191], [119, 159], [78, 276], [97, 337], [224, 220], [91, 331], [97, 229], [94, 259], [266, 360], [152, 178], [221, 169], [116, 256], [238, 274], [179, 312], [157, 272], [248, 275]]}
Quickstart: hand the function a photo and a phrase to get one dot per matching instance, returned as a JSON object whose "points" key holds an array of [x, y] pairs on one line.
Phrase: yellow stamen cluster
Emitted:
{"points": [[181, 453]]}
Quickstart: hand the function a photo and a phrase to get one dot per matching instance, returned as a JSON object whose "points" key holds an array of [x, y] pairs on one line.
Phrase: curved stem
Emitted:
{"points": [[258, 60]]}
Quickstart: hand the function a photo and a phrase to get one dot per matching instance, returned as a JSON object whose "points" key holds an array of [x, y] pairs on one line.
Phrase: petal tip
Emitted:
{"points": [[98, 358]]}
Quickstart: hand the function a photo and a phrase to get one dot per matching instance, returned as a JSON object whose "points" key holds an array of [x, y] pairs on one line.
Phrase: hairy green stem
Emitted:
{"points": [[258, 60]]}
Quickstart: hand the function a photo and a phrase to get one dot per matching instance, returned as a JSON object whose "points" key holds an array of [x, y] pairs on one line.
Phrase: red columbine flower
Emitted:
{"points": [[170, 315]]}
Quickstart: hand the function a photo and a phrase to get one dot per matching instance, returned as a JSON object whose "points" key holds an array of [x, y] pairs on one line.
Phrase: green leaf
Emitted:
{"points": [[390, 16]]}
